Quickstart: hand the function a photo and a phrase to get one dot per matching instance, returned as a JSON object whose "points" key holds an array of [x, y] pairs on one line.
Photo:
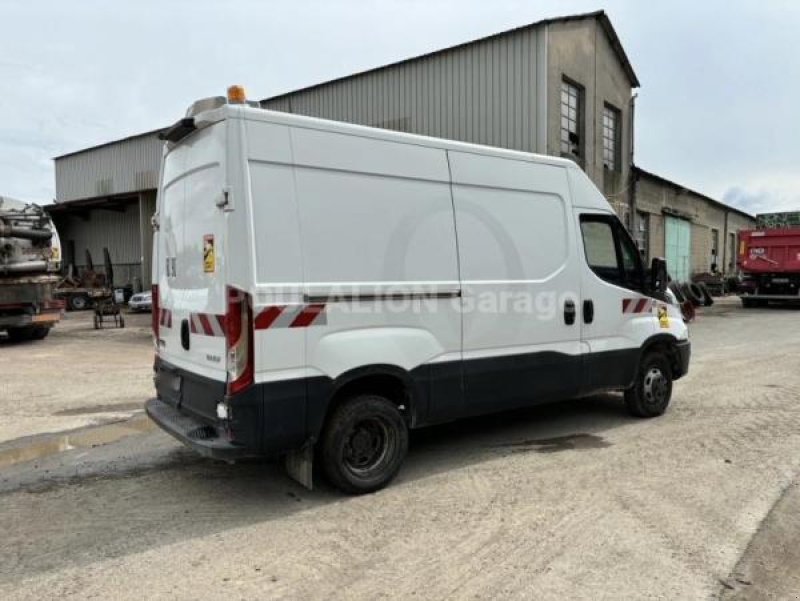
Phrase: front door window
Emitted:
{"points": [[610, 252]]}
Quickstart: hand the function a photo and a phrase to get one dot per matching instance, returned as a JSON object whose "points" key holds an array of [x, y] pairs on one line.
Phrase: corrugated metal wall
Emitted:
{"points": [[147, 210], [122, 167], [98, 228], [484, 92]]}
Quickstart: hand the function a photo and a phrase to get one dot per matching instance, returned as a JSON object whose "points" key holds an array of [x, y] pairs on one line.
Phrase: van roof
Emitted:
{"points": [[259, 114]]}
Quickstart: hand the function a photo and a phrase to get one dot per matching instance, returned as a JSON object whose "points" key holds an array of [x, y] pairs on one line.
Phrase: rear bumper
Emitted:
{"points": [[47, 318], [199, 436], [684, 354]]}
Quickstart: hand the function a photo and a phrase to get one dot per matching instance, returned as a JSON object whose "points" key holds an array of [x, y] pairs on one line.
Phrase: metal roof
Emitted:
{"points": [[679, 188], [600, 15], [109, 143]]}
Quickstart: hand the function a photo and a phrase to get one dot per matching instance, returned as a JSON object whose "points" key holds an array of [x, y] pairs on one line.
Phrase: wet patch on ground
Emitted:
{"points": [[570, 442], [36, 447], [111, 408]]}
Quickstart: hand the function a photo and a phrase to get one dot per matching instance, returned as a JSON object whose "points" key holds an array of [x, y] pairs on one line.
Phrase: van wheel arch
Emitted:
{"points": [[388, 381], [665, 344]]}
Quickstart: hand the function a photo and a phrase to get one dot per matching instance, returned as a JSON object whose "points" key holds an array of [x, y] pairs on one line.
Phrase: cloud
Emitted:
{"points": [[718, 118], [763, 200]]}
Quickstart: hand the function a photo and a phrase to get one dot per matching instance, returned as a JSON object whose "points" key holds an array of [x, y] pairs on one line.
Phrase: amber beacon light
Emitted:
{"points": [[237, 95]]}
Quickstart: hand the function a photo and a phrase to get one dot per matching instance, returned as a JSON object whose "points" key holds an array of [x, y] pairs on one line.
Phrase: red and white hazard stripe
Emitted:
{"points": [[637, 305], [207, 324], [291, 316], [165, 318]]}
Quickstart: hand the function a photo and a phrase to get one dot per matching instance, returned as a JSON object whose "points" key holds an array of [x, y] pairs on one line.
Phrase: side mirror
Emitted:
{"points": [[658, 275]]}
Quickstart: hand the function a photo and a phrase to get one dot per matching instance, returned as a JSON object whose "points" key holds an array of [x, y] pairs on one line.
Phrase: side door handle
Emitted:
{"points": [[588, 311], [569, 312]]}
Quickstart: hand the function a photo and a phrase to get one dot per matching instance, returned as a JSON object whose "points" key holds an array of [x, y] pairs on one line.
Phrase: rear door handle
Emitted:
{"points": [[569, 312], [588, 311]]}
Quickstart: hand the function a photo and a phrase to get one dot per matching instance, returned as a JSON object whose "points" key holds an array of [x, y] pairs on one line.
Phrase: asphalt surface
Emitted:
{"points": [[570, 501]]}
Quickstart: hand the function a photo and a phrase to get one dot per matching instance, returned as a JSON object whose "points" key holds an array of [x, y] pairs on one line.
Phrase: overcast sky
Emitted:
{"points": [[717, 110]]}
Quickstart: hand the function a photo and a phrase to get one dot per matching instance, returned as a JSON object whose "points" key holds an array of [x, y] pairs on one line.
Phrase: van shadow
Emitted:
{"points": [[172, 495]]}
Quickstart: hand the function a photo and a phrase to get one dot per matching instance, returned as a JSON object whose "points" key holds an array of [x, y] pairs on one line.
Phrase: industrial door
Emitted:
{"points": [[678, 242]]}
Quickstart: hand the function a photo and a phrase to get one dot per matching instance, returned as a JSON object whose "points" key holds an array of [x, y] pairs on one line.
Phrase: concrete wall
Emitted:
{"points": [[581, 51], [656, 198], [484, 92]]}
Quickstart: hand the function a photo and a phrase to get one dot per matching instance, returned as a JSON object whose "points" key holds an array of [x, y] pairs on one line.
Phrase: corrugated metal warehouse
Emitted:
{"points": [[106, 197], [560, 86]]}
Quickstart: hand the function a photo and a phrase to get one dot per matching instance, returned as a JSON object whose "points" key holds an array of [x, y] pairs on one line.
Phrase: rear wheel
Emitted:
{"points": [[79, 302], [651, 392], [364, 444]]}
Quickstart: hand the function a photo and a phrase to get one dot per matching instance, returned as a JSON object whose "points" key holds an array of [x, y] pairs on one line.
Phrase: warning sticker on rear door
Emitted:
{"points": [[209, 254]]}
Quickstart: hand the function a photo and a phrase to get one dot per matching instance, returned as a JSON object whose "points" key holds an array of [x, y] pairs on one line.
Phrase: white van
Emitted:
{"points": [[322, 288]]}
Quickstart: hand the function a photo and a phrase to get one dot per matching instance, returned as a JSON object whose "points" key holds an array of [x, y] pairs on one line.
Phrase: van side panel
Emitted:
{"points": [[519, 269], [379, 256], [276, 251]]}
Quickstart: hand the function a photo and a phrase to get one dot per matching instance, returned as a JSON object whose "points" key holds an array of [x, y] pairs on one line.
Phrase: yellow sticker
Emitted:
{"points": [[663, 317], [209, 254]]}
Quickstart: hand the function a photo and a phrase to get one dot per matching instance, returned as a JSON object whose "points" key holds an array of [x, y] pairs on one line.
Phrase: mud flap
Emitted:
{"points": [[299, 466]]}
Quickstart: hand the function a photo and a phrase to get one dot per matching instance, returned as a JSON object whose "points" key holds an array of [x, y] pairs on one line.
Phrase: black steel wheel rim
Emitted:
{"points": [[369, 445], [655, 386]]}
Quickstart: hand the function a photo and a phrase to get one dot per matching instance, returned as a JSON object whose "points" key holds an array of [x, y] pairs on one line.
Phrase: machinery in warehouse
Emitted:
{"points": [[30, 261], [769, 257], [93, 290]]}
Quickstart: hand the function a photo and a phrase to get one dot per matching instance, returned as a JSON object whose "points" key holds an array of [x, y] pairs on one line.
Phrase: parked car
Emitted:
{"points": [[143, 301]]}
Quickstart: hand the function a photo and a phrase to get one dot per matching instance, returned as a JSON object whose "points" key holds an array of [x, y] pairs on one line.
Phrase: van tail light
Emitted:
{"points": [[156, 313], [239, 341]]}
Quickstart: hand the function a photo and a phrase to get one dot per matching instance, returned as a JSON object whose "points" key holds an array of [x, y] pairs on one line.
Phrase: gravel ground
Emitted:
{"points": [[571, 501], [75, 377]]}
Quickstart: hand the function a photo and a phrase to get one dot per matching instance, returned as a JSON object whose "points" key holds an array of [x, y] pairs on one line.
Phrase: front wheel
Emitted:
{"points": [[364, 444], [651, 392], [39, 332]]}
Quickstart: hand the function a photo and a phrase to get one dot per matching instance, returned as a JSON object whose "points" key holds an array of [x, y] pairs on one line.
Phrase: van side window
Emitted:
{"points": [[631, 262], [610, 252], [601, 251]]}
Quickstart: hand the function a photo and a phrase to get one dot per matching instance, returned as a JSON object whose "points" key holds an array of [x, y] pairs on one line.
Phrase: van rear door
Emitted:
{"points": [[192, 271]]}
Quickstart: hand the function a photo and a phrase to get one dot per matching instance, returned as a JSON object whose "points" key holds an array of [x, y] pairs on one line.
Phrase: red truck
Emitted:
{"points": [[769, 258]]}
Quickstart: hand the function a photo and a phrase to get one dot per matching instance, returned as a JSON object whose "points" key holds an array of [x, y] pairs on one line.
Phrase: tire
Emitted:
{"points": [[651, 392], [20, 334], [693, 293], [79, 302], [708, 300], [676, 290], [364, 444], [39, 333], [748, 303]]}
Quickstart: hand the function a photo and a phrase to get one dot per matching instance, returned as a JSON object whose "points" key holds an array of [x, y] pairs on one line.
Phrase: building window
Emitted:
{"points": [[642, 235], [714, 249], [611, 138], [571, 120]]}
